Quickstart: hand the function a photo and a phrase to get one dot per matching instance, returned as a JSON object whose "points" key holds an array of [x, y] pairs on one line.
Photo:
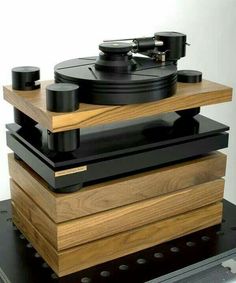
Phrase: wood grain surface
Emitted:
{"points": [[119, 192], [99, 251], [33, 104], [86, 229], [43, 247]]}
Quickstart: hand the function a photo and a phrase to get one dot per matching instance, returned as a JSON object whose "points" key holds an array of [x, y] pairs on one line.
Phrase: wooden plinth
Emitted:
{"points": [[33, 104], [109, 220]]}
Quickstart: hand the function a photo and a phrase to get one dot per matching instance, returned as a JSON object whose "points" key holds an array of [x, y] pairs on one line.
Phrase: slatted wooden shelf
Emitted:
{"points": [[33, 104], [105, 249], [87, 229], [112, 219], [116, 193]]}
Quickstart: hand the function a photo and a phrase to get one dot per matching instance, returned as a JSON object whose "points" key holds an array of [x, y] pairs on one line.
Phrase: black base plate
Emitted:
{"points": [[115, 150], [118, 139], [168, 262]]}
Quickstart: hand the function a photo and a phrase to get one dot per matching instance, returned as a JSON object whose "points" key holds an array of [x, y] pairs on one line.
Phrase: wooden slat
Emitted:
{"points": [[34, 214], [86, 255], [187, 96], [119, 192], [43, 247], [86, 229]]}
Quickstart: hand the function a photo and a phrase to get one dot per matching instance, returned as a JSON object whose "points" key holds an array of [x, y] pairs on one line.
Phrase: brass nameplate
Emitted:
{"points": [[70, 171]]}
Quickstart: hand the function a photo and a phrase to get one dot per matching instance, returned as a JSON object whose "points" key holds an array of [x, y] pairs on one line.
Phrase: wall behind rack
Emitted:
{"points": [[47, 32]]}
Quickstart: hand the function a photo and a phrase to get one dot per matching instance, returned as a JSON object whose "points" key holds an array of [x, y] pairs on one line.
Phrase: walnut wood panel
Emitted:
{"points": [[187, 96], [119, 192], [43, 247], [34, 214], [104, 196], [86, 229], [90, 254]]}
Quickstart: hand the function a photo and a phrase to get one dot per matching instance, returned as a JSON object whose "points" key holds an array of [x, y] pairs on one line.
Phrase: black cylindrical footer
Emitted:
{"points": [[189, 76], [64, 141], [62, 97], [25, 78], [23, 120]]}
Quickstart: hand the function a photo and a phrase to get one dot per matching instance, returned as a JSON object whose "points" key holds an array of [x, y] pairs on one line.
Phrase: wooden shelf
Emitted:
{"points": [[109, 248], [33, 104], [120, 192], [109, 220], [193, 253]]}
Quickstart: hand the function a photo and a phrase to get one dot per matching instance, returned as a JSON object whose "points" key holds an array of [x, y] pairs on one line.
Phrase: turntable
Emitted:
{"points": [[68, 160], [113, 156], [117, 76]]}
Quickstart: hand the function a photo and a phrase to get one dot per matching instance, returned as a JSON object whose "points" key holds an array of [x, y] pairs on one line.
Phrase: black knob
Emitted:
{"points": [[25, 78], [62, 97]]}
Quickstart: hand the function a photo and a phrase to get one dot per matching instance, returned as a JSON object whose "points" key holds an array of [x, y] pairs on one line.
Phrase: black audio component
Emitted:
{"points": [[118, 76], [118, 149]]}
